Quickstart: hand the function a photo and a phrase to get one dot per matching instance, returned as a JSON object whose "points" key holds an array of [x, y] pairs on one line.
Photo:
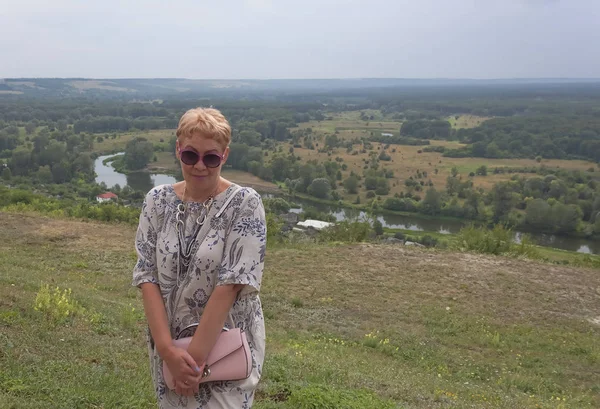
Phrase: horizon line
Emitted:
{"points": [[320, 78]]}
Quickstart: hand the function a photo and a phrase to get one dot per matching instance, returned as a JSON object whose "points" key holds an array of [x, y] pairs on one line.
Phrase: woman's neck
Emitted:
{"points": [[200, 195]]}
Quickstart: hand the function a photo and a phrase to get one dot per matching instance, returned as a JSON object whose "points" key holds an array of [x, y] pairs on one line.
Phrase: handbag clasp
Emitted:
{"points": [[206, 372]]}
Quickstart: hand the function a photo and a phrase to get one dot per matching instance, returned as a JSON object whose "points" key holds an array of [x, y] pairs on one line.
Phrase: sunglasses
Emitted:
{"points": [[191, 157]]}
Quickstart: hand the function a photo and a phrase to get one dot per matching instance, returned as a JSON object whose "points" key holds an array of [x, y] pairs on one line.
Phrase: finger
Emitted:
{"points": [[193, 380], [178, 389], [191, 362]]}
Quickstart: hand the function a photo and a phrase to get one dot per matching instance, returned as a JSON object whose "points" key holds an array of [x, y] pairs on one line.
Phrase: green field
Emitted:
{"points": [[407, 160], [348, 326], [116, 141], [466, 121]]}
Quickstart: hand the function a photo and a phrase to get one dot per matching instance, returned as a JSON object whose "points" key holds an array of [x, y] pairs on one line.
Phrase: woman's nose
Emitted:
{"points": [[200, 165]]}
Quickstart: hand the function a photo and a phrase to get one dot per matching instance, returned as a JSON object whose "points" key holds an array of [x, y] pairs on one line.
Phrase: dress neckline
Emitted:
{"points": [[194, 204]]}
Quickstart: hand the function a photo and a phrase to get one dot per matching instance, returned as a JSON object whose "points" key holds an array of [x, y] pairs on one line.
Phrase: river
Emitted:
{"points": [[142, 181], [145, 181]]}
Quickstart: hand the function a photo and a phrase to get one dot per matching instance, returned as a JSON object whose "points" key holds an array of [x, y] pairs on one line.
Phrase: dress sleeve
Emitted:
{"points": [[146, 270], [245, 246]]}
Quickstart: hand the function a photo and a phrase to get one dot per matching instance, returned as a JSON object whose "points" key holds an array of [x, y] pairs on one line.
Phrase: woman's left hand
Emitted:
{"points": [[186, 389]]}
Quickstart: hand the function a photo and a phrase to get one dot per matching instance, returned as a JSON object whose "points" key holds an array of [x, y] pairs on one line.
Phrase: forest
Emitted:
{"points": [[379, 147]]}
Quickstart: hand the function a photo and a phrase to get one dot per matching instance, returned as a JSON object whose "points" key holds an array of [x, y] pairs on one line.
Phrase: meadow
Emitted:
{"points": [[348, 325], [405, 161]]}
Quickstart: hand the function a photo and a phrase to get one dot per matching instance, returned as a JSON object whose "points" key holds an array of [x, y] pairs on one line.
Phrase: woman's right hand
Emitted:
{"points": [[183, 368]]}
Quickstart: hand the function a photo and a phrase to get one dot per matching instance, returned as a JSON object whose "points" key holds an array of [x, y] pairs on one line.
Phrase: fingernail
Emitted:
{"points": [[197, 369]]}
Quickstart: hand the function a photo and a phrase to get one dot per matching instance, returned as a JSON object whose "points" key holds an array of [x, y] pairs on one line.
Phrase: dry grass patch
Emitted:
{"points": [[110, 144]]}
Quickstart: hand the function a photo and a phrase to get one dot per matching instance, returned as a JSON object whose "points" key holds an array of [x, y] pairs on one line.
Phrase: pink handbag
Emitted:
{"points": [[229, 360]]}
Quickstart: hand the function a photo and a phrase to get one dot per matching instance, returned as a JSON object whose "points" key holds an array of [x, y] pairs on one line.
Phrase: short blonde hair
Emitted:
{"points": [[207, 122]]}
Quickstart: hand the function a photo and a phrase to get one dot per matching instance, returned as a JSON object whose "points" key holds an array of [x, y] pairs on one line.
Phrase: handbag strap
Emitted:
{"points": [[204, 229]]}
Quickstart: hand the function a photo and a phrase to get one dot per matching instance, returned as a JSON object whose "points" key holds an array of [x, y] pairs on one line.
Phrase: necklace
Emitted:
{"points": [[206, 205], [189, 247]]}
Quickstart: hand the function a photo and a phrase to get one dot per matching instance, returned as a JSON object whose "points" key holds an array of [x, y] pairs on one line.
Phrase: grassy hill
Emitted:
{"points": [[349, 326]]}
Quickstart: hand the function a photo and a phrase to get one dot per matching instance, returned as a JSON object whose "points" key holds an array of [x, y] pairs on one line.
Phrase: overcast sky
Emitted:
{"points": [[230, 39]]}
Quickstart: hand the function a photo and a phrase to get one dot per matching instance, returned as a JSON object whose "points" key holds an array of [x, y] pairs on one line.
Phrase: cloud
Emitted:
{"points": [[300, 39]]}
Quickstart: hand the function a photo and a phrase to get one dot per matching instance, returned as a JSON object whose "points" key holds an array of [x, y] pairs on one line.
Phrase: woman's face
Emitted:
{"points": [[198, 175]]}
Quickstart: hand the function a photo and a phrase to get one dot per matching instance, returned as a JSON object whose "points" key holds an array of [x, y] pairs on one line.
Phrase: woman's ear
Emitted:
{"points": [[225, 155]]}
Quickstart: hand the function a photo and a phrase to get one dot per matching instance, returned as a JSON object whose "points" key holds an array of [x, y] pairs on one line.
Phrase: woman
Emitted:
{"points": [[201, 245]]}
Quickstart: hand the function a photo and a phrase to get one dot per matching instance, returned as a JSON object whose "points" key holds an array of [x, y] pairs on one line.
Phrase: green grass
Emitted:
{"points": [[543, 253], [113, 142], [348, 326]]}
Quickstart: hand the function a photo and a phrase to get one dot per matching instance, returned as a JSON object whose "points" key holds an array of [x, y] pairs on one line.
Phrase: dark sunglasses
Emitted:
{"points": [[191, 157]]}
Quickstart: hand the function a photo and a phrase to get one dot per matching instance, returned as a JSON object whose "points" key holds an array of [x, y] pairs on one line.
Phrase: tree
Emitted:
{"points": [[277, 205], [502, 200], [30, 127], [351, 184], [378, 227], [83, 164], [371, 182], [320, 188], [20, 162], [61, 172], [493, 151], [538, 214], [54, 153], [62, 125], [383, 187], [453, 185], [558, 188], [432, 204], [597, 226], [44, 174], [138, 153], [565, 218], [249, 137], [280, 166], [307, 174], [6, 174], [481, 171]]}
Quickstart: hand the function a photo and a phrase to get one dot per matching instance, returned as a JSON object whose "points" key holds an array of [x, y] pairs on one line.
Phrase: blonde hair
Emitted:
{"points": [[207, 122]]}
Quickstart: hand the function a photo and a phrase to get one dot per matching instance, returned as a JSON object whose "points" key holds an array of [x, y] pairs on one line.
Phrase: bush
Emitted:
{"points": [[276, 205], [480, 240], [399, 235], [57, 306], [497, 241], [346, 231], [428, 241], [378, 227]]}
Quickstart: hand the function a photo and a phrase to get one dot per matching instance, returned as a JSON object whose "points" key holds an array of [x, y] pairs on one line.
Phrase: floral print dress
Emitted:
{"points": [[230, 250]]}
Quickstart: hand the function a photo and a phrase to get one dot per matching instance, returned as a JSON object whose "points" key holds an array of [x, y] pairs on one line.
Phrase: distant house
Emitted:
{"points": [[387, 134], [314, 224], [106, 197]]}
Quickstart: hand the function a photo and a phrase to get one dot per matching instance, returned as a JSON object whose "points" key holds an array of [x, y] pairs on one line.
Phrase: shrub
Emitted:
{"points": [[346, 231], [428, 241], [57, 305], [399, 235], [378, 227], [497, 241]]}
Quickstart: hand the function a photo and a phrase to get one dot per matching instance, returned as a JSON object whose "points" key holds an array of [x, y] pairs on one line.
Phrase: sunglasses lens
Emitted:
{"points": [[211, 160], [189, 157]]}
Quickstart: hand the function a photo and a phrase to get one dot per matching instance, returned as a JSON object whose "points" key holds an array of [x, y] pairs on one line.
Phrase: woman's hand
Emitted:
{"points": [[186, 373], [185, 389]]}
